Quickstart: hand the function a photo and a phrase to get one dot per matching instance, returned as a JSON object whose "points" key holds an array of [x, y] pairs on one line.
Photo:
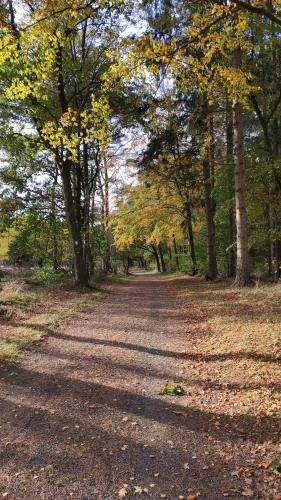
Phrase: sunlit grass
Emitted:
{"points": [[28, 313], [241, 341]]}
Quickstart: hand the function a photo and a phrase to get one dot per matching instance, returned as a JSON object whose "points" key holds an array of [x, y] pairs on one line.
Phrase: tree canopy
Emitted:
{"points": [[142, 130]]}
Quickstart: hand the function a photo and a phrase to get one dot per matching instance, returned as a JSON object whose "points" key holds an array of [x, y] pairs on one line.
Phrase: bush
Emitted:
{"points": [[48, 276]]}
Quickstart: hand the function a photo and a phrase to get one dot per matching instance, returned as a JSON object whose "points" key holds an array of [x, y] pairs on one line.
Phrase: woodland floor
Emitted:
{"points": [[81, 416]]}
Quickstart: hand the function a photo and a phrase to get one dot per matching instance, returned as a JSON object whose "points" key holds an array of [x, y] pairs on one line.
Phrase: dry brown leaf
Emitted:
{"points": [[122, 493], [266, 463], [139, 489], [247, 493]]}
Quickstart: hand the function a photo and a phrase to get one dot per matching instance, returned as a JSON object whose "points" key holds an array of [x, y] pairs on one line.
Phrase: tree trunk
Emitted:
{"points": [[155, 253], [53, 228], [211, 252], [80, 269], [230, 215], [169, 253], [72, 212], [107, 253], [191, 240], [209, 204], [86, 211], [163, 265], [231, 240], [176, 252], [242, 271]]}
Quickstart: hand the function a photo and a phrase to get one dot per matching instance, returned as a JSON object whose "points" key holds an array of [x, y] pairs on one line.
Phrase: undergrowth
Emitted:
{"points": [[33, 306]]}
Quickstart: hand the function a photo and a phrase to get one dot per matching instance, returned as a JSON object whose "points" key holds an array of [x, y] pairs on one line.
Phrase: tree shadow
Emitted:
{"points": [[231, 428], [159, 374], [82, 450], [191, 356]]}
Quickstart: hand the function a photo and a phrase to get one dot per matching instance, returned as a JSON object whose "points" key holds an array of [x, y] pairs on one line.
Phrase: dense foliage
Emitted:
{"points": [[142, 132]]}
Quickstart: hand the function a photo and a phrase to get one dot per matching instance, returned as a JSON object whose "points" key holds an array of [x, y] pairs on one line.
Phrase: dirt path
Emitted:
{"points": [[82, 416]]}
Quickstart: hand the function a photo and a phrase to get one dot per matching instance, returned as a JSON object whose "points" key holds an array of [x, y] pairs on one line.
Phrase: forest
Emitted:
{"points": [[142, 131], [140, 249]]}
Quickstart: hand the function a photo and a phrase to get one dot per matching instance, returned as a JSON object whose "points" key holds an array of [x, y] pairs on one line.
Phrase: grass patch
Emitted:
{"points": [[9, 351], [169, 274], [240, 344], [29, 309], [118, 278]]}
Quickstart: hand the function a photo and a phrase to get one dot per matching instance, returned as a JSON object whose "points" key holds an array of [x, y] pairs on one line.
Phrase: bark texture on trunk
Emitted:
{"points": [[163, 265], [242, 270], [207, 153], [211, 252], [176, 252], [230, 215], [191, 241], [80, 269], [155, 253]]}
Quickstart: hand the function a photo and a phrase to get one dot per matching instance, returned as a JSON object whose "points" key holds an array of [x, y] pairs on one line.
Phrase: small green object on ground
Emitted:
{"points": [[175, 390]]}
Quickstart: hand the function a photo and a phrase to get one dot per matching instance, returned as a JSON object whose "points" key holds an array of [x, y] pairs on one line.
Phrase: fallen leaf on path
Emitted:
{"points": [[140, 490], [122, 493], [247, 493], [186, 466], [266, 463]]}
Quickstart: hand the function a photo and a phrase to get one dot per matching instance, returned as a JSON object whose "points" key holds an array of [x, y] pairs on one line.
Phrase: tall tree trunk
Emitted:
{"points": [[230, 215], [275, 186], [53, 226], [163, 265], [156, 256], [107, 255], [80, 270], [176, 252], [231, 240], [170, 253], [211, 252], [73, 214], [208, 184], [86, 210], [191, 240], [242, 270]]}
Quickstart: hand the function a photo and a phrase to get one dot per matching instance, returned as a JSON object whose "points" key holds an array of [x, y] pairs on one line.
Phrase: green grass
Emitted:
{"points": [[29, 310]]}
